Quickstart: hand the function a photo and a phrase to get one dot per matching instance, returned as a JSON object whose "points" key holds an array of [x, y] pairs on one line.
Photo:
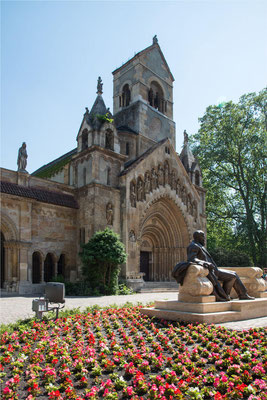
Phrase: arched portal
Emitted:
{"points": [[49, 267], [164, 238], [36, 267], [2, 264]]}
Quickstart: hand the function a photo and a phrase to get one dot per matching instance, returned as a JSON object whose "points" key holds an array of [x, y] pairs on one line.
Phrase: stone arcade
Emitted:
{"points": [[124, 173]]}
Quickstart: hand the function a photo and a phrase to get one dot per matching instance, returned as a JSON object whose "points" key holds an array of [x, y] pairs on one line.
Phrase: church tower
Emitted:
{"points": [[143, 98]]}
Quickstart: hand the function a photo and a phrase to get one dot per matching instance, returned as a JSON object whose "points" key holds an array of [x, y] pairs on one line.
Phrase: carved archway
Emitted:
{"points": [[164, 234], [9, 250]]}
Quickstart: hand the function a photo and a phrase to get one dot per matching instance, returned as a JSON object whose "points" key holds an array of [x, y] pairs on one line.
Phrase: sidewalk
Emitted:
{"points": [[20, 307]]}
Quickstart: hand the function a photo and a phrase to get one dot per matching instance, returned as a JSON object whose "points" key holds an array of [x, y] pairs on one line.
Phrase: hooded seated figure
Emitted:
{"points": [[197, 254]]}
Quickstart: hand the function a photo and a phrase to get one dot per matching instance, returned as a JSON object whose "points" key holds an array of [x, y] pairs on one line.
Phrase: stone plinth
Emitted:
{"points": [[196, 286], [211, 313]]}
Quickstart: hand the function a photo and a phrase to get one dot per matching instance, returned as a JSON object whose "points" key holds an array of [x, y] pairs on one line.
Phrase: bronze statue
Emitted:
{"points": [[197, 254]]}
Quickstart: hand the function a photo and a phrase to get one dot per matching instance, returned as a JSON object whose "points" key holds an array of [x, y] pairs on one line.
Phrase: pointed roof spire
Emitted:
{"points": [[99, 86]]}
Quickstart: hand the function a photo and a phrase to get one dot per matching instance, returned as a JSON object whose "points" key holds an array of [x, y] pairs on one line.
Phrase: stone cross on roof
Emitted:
{"points": [[99, 86]]}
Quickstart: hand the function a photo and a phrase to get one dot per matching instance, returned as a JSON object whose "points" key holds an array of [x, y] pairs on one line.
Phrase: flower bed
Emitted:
{"points": [[121, 354]]}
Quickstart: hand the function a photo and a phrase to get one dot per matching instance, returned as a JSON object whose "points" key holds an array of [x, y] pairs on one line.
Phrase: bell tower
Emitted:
{"points": [[143, 96]]}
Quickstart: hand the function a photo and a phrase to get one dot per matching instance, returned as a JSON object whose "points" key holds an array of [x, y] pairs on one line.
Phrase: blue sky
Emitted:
{"points": [[53, 51]]}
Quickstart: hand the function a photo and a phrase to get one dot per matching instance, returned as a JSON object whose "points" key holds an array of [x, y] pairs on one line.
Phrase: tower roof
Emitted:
{"points": [[146, 50]]}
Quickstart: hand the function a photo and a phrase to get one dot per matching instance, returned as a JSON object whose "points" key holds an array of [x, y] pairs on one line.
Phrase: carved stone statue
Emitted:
{"points": [[140, 190], [166, 173], [172, 179], [185, 137], [132, 195], [132, 236], [99, 86], [147, 183], [109, 214], [154, 178], [22, 158], [198, 255], [160, 175]]}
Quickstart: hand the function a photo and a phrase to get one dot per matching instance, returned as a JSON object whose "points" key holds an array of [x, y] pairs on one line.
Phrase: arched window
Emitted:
{"points": [[197, 178], [84, 139], [156, 98], [109, 140], [36, 267], [49, 267], [126, 96], [61, 265]]}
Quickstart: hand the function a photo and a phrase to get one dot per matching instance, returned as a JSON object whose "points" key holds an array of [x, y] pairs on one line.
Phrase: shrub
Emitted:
{"points": [[101, 258]]}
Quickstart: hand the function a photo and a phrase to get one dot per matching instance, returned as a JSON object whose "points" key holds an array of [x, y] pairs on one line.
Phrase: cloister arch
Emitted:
{"points": [[164, 237], [9, 250]]}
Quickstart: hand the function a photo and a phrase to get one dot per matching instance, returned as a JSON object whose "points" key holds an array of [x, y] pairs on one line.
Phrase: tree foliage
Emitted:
{"points": [[101, 258], [231, 148]]}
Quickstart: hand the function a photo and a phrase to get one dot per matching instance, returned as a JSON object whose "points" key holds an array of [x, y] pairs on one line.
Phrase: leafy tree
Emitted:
{"points": [[101, 258], [231, 148]]}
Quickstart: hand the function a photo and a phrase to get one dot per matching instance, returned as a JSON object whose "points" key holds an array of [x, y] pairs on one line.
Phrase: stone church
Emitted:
{"points": [[124, 173]]}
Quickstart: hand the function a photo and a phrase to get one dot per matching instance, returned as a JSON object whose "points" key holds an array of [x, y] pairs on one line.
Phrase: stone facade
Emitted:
{"points": [[124, 173]]}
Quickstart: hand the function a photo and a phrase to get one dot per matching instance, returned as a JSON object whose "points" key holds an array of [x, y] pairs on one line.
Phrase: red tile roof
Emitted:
{"points": [[45, 196]]}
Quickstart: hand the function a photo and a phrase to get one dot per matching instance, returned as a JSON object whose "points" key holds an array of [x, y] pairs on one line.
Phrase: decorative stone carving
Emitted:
{"points": [[109, 214], [147, 183], [132, 237], [252, 279], [172, 180], [140, 190], [133, 194], [154, 179], [99, 86], [166, 172], [195, 284], [22, 158], [160, 175]]}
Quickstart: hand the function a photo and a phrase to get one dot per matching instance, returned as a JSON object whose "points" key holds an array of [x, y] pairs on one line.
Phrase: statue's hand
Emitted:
{"points": [[209, 265]]}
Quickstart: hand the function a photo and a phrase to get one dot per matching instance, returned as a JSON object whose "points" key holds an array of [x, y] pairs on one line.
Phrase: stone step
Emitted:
{"points": [[156, 287]]}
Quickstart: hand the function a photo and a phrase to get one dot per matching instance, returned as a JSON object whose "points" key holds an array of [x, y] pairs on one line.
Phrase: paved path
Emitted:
{"points": [[20, 307]]}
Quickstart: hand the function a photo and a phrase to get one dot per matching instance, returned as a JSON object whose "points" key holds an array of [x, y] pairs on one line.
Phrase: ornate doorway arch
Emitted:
{"points": [[164, 235]]}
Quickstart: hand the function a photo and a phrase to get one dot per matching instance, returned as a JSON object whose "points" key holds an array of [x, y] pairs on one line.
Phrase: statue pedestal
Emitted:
{"points": [[196, 304], [210, 313]]}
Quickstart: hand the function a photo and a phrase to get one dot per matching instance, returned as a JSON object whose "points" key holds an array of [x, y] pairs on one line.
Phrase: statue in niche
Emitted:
{"points": [[166, 173], [154, 179], [172, 184], [160, 175], [132, 195], [140, 190], [132, 236], [147, 183], [109, 214], [22, 158]]}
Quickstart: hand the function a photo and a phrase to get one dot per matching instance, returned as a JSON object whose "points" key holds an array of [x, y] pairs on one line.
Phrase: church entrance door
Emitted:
{"points": [[165, 233], [144, 264]]}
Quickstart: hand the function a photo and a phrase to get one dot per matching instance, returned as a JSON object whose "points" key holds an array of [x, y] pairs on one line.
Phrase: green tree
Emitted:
{"points": [[231, 148], [101, 258]]}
